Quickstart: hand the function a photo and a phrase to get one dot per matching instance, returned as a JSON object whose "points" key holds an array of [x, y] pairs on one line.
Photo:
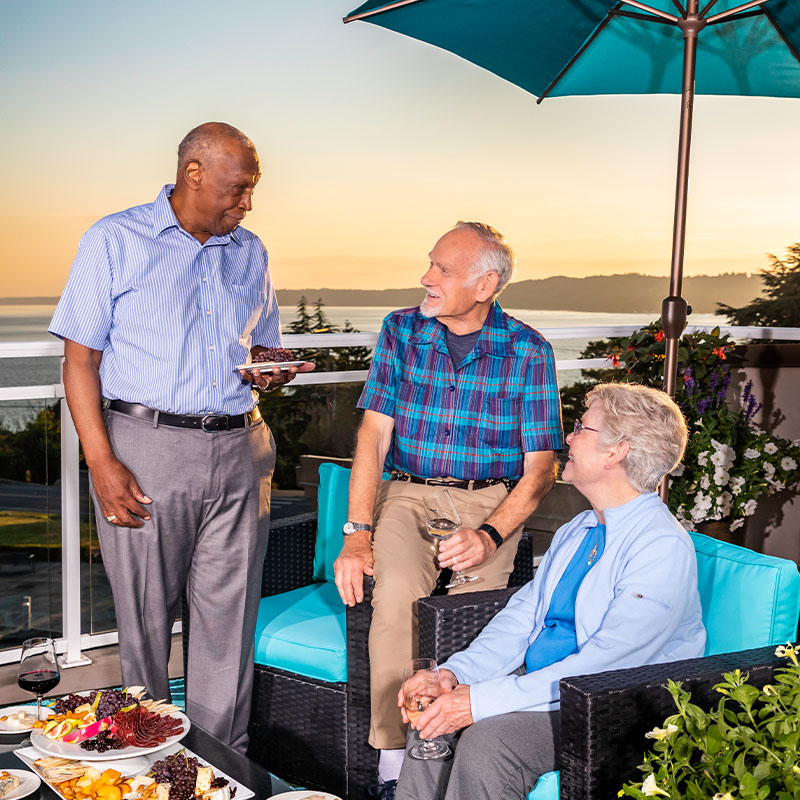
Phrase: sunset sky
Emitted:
{"points": [[372, 145]]}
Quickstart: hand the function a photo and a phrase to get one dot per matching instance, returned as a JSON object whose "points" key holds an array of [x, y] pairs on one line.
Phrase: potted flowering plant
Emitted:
{"points": [[748, 747], [729, 461]]}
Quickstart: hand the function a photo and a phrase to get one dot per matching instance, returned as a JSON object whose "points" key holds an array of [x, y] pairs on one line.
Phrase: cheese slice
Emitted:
{"points": [[203, 781], [8, 783]]}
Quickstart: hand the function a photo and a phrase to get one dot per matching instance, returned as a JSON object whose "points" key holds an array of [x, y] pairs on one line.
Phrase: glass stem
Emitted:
{"points": [[39, 707]]}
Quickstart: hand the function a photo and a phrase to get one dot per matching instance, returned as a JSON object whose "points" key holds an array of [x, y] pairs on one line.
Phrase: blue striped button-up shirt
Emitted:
{"points": [[173, 317], [472, 422]]}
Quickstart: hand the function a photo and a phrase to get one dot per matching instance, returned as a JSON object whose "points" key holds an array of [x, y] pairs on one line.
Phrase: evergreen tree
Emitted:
{"points": [[781, 305]]}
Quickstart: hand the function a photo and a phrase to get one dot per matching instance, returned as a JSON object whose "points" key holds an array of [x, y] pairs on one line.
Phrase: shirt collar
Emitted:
{"points": [[164, 218], [494, 339]]}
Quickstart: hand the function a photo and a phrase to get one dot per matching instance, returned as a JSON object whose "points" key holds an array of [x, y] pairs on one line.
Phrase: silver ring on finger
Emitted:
{"points": [[111, 517]]}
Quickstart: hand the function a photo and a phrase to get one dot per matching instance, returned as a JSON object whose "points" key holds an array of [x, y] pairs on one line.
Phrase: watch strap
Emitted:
{"points": [[350, 528], [493, 533]]}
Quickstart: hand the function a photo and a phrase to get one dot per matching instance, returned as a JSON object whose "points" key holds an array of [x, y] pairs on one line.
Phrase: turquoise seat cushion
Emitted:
{"points": [[303, 631], [334, 483], [749, 599], [546, 787]]}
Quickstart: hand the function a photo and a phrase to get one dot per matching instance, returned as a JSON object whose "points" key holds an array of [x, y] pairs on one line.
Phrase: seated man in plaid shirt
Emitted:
{"points": [[459, 395]]}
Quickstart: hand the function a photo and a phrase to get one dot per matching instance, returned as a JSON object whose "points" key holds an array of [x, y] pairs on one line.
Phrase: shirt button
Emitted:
{"points": [[208, 312], [447, 433], [205, 280], [212, 347], [213, 383], [452, 388]]}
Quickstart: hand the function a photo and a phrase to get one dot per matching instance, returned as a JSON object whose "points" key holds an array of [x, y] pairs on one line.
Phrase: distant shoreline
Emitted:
{"points": [[630, 293]]}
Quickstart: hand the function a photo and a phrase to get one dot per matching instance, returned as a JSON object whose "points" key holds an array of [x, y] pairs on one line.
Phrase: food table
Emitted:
{"points": [[207, 747]]}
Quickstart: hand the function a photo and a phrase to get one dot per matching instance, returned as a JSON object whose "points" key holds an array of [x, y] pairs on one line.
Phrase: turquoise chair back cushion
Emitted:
{"points": [[749, 599], [303, 631], [334, 482]]}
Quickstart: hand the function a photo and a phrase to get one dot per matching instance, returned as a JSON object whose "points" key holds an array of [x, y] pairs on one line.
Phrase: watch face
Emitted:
{"points": [[352, 527]]}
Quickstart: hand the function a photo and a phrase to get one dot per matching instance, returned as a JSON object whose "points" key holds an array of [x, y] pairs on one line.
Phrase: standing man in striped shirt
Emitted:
{"points": [[459, 395], [162, 302]]}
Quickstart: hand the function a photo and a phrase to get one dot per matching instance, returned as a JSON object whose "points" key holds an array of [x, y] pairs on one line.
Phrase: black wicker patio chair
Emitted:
{"points": [[604, 716], [312, 732]]}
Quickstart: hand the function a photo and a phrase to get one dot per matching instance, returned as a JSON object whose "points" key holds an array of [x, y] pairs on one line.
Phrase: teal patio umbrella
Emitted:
{"points": [[553, 48]]}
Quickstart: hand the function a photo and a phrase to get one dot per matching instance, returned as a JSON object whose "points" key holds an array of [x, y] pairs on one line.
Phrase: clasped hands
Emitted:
{"points": [[448, 713]]}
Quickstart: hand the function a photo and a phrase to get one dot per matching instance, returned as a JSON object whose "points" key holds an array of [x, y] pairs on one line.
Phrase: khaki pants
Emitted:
{"points": [[405, 570]]}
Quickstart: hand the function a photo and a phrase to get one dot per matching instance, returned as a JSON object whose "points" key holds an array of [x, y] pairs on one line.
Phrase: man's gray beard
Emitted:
{"points": [[427, 312]]}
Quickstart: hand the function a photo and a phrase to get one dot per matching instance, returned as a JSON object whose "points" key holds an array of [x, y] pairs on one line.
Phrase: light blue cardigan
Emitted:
{"points": [[637, 605]]}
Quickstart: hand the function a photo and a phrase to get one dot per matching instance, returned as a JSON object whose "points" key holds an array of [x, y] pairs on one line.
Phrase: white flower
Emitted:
{"points": [[651, 788], [726, 796], [661, 733], [770, 448], [705, 483], [718, 458], [750, 508], [777, 486], [750, 453], [723, 455], [724, 502], [736, 524], [679, 470], [702, 458], [788, 463], [737, 484], [769, 469], [721, 476]]}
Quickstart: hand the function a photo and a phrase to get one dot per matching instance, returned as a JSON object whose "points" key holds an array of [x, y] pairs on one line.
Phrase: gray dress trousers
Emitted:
{"points": [[208, 531]]}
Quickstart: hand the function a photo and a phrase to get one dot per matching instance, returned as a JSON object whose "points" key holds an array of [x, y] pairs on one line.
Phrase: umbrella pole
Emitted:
{"points": [[674, 308]]}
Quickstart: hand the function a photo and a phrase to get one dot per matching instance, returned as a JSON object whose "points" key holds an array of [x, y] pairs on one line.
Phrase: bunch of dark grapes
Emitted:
{"points": [[70, 703], [112, 700], [104, 741], [178, 771], [273, 354]]}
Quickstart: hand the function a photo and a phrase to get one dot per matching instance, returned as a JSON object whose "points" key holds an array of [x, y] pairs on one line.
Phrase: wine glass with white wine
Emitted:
{"points": [[421, 686], [442, 520]]}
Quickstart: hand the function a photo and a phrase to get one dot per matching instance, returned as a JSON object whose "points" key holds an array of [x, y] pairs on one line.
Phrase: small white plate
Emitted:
{"points": [[29, 711], [29, 782], [267, 366], [302, 794]]}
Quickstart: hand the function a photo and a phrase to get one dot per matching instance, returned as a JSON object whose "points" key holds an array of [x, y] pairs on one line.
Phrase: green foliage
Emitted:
{"points": [[34, 452], [319, 418], [781, 306], [747, 747]]}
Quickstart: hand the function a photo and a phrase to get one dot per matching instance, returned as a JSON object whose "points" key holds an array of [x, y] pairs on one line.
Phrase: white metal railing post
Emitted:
{"points": [[70, 542]]}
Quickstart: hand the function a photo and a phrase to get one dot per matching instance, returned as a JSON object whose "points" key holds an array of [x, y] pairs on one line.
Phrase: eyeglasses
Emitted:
{"points": [[579, 426]]}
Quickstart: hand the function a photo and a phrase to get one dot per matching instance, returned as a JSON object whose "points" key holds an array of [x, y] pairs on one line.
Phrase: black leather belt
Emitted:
{"points": [[397, 475], [203, 422]]}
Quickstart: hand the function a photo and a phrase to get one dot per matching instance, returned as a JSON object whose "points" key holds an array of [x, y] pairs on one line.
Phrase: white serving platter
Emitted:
{"points": [[73, 750], [142, 766], [302, 794]]}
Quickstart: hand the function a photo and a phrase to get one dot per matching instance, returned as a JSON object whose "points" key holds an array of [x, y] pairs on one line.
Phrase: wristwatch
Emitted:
{"points": [[350, 528]]}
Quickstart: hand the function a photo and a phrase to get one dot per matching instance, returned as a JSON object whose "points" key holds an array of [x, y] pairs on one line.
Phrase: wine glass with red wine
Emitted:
{"points": [[38, 669]]}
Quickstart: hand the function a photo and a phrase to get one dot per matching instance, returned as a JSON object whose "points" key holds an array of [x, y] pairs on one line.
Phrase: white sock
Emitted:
{"points": [[389, 764]]}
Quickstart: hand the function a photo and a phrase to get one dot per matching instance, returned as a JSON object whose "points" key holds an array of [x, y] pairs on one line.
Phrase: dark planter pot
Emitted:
{"points": [[721, 529]]}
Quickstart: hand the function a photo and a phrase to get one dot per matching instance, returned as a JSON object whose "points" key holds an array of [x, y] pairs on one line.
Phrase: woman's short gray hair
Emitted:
{"points": [[649, 421], [496, 255]]}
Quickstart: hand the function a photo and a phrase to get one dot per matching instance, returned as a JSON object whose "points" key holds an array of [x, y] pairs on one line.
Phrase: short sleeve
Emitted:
{"points": [[541, 404], [84, 312], [379, 390]]}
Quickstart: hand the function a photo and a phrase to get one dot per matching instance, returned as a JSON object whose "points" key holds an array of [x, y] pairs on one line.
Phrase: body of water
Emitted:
{"points": [[29, 323]]}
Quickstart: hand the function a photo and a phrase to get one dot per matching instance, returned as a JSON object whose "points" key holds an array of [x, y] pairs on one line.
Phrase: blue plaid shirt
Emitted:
{"points": [[473, 422], [173, 317]]}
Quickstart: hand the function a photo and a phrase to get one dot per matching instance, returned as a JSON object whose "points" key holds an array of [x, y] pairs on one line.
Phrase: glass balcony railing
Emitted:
{"points": [[52, 580]]}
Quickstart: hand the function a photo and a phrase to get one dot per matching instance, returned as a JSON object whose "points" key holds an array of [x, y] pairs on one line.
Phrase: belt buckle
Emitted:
{"points": [[437, 482], [214, 422]]}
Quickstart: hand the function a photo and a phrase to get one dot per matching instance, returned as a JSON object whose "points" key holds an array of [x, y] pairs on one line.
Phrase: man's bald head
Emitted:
{"points": [[206, 141]]}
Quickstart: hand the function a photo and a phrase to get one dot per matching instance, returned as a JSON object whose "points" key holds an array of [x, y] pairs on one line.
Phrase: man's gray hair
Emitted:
{"points": [[649, 421], [496, 255], [200, 143]]}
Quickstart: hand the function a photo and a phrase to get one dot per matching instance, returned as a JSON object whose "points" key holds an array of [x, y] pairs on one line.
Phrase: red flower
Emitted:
{"points": [[660, 336], [614, 360], [720, 352], [630, 349]]}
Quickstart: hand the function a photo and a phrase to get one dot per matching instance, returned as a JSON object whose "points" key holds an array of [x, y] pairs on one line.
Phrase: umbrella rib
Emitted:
{"points": [[792, 48], [731, 11], [595, 33], [708, 8], [657, 12], [619, 12], [744, 15], [681, 9], [374, 11]]}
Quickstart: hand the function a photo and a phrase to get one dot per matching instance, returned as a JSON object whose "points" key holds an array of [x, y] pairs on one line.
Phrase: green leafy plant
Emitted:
{"points": [[747, 747]]}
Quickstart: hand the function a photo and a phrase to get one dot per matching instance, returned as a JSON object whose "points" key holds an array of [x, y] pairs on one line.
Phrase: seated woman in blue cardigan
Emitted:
{"points": [[616, 589]]}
